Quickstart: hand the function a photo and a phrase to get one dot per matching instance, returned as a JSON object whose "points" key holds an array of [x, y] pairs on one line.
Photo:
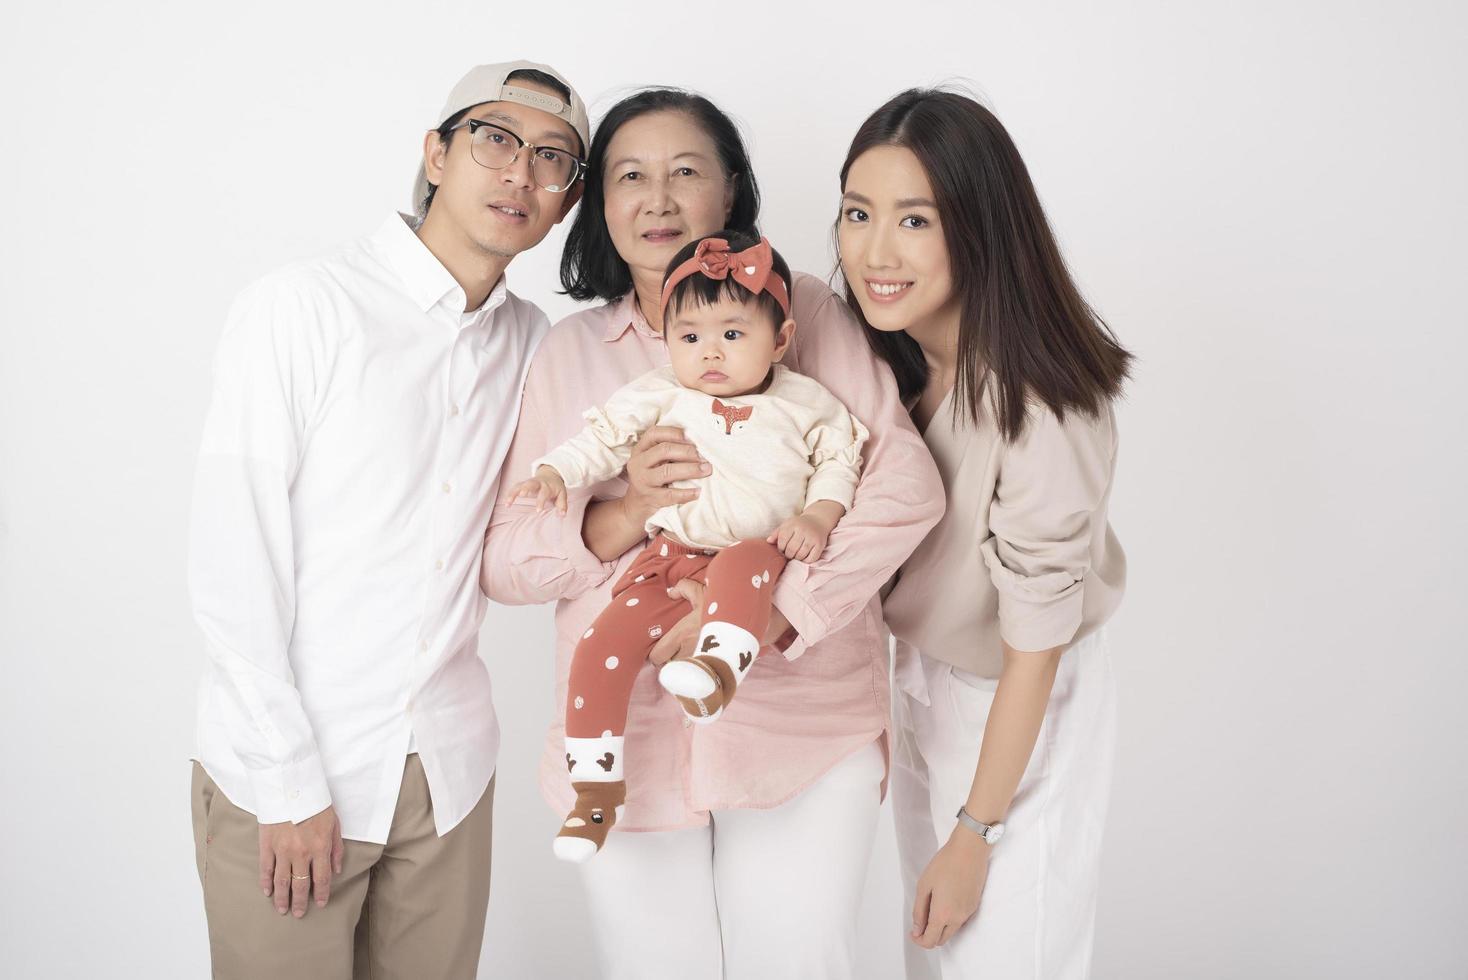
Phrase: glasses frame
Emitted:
{"points": [[473, 126]]}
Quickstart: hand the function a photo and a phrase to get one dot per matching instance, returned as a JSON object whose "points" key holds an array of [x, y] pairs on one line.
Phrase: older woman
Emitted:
{"points": [[750, 838]]}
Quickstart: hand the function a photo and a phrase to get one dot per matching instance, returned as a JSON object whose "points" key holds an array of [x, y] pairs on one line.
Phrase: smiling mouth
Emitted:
{"points": [[886, 290], [661, 234], [508, 209]]}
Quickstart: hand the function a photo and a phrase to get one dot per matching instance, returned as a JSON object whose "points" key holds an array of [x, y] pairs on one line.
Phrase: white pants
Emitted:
{"points": [[764, 894], [1036, 919]]}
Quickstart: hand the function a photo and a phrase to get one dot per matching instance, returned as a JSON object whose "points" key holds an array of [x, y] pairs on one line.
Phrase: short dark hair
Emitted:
{"points": [[446, 129], [590, 265], [1021, 316], [700, 290]]}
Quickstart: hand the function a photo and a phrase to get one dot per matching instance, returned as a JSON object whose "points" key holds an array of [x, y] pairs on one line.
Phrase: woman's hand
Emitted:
{"points": [[949, 889], [662, 457], [680, 640], [545, 486]]}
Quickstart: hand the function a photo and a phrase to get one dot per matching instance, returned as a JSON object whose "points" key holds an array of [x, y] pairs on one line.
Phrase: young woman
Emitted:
{"points": [[749, 839], [1005, 716]]}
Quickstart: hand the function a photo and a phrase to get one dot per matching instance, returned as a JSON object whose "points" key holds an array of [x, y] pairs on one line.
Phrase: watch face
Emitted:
{"points": [[995, 832]]}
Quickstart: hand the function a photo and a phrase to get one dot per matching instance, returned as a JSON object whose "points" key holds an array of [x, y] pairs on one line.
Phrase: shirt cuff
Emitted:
{"points": [[837, 488], [290, 793], [793, 601]]}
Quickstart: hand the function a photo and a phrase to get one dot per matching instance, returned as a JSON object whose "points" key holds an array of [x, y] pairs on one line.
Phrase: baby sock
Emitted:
{"points": [[706, 681], [595, 765]]}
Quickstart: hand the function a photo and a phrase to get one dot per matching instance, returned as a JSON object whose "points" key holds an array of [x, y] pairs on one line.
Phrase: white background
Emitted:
{"points": [[1265, 199]]}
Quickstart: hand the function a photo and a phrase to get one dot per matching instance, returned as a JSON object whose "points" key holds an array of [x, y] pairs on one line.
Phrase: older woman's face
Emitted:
{"points": [[664, 187]]}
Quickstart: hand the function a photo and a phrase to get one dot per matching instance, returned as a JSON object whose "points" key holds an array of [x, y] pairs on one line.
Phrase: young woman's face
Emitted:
{"points": [[891, 241], [664, 187], [725, 348]]}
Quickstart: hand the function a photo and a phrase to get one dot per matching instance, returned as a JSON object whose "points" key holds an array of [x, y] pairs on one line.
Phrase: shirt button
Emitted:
{"points": [[438, 564], [423, 647], [295, 794], [447, 488], [454, 410]]}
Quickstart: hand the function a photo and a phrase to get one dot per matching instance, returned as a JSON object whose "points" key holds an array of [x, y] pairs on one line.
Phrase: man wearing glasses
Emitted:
{"points": [[363, 404]]}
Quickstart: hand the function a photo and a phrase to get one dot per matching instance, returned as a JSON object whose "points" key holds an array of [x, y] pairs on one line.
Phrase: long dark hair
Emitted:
{"points": [[1023, 322], [590, 265]]}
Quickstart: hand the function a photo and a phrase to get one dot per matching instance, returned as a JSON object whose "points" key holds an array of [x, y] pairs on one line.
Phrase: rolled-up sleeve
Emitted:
{"points": [[1052, 484], [241, 548], [528, 557], [899, 497]]}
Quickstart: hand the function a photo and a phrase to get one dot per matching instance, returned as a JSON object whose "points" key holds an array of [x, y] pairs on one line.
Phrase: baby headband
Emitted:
{"points": [[753, 268]]}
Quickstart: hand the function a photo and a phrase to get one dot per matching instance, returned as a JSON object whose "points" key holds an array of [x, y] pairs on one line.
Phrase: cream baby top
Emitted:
{"points": [[773, 453]]}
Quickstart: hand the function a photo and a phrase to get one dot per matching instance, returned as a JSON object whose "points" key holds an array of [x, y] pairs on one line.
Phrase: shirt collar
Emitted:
{"points": [[426, 280], [626, 316]]}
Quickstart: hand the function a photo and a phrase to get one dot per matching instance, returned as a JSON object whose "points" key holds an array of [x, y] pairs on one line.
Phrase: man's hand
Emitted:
{"points": [[298, 857]]}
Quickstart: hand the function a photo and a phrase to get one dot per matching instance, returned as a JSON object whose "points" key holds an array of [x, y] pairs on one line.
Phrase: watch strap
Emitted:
{"points": [[977, 826]]}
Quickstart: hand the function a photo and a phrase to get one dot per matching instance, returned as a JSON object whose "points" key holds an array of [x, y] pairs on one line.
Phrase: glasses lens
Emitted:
{"points": [[493, 147], [553, 169]]}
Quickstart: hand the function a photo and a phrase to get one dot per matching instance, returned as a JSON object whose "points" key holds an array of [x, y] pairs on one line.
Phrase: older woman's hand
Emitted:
{"points": [[662, 457], [681, 639]]}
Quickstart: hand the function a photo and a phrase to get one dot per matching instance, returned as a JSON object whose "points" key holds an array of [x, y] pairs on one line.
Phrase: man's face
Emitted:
{"points": [[501, 212]]}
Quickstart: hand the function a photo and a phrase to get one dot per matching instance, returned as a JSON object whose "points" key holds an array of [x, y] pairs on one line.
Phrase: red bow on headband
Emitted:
{"points": [[752, 268]]}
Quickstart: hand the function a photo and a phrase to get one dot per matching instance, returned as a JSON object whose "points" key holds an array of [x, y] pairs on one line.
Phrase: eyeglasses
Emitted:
{"points": [[495, 148]]}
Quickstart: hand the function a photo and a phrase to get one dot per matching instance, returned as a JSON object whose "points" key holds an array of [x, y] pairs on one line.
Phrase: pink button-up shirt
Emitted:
{"points": [[800, 713]]}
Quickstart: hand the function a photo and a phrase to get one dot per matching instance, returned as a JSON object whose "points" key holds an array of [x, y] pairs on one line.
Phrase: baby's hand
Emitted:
{"points": [[801, 538], [545, 486]]}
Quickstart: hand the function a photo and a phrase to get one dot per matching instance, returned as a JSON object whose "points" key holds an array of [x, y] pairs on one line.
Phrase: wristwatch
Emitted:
{"points": [[991, 832]]}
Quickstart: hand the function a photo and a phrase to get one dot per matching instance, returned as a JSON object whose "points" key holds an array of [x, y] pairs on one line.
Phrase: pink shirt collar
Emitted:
{"points": [[625, 315]]}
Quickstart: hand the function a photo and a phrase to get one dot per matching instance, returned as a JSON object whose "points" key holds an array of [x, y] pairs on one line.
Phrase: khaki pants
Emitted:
{"points": [[413, 908]]}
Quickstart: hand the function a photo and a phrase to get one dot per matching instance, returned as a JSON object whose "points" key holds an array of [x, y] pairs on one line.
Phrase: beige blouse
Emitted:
{"points": [[1024, 553]]}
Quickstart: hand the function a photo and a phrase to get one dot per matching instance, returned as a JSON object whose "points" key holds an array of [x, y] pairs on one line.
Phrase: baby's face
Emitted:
{"points": [[725, 348]]}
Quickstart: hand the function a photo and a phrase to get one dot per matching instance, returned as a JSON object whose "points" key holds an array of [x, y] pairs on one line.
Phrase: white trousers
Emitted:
{"points": [[1036, 918], [764, 894]]}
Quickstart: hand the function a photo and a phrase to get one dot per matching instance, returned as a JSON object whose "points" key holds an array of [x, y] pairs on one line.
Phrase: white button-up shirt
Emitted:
{"points": [[350, 461]]}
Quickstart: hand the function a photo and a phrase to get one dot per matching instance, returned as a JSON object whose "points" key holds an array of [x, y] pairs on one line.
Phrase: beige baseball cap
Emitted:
{"points": [[487, 83]]}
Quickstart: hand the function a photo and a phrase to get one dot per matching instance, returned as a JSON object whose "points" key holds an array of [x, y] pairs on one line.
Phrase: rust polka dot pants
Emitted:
{"points": [[739, 581]]}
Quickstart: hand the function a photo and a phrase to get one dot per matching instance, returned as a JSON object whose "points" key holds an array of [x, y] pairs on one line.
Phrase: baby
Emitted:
{"points": [[785, 458]]}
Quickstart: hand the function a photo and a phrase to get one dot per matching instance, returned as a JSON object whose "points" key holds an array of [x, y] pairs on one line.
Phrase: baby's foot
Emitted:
{"points": [[707, 681], [585, 830]]}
